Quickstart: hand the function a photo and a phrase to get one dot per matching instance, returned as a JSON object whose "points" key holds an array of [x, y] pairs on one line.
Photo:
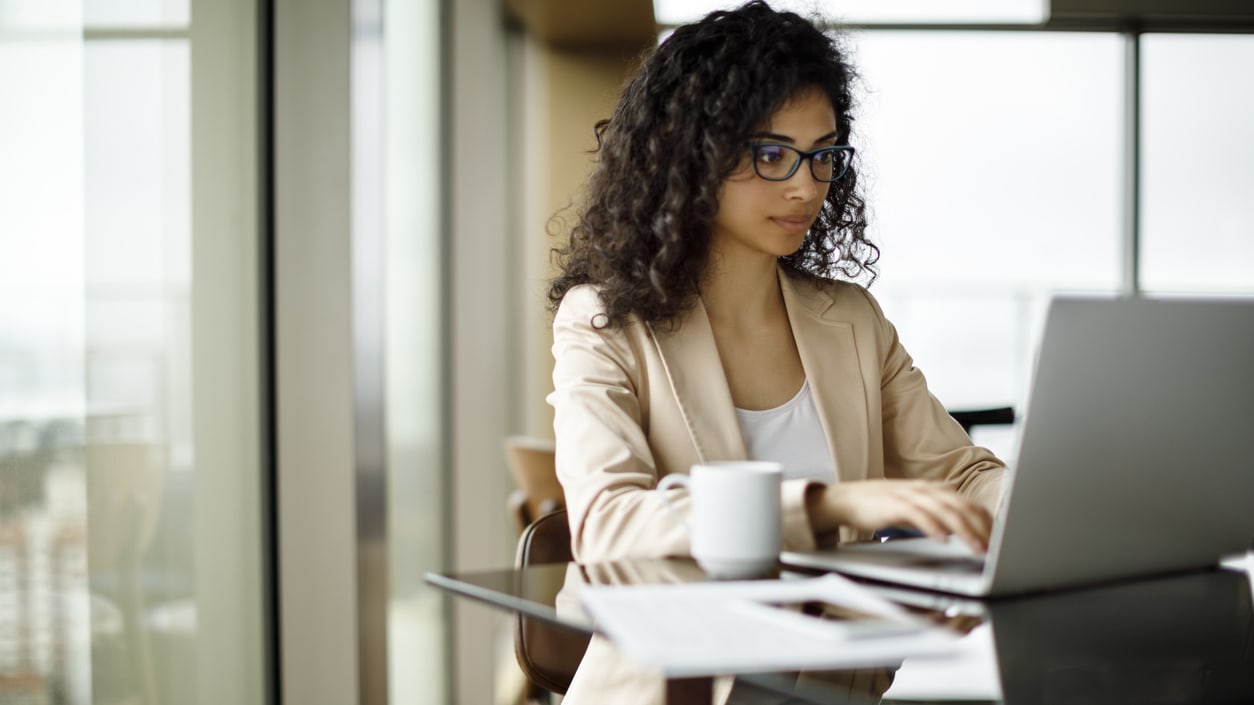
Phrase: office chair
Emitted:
{"points": [[547, 654], [124, 495], [538, 491], [969, 418]]}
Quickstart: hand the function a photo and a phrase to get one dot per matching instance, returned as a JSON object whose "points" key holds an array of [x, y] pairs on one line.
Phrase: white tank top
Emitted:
{"points": [[790, 435]]}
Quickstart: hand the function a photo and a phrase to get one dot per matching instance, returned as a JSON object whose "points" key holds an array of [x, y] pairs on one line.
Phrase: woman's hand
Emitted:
{"points": [[927, 506]]}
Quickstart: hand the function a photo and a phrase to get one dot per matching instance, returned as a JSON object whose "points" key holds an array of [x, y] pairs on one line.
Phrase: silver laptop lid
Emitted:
{"points": [[1137, 455]]}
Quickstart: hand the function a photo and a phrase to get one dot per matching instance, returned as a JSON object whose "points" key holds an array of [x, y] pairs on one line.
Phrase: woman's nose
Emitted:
{"points": [[802, 185]]}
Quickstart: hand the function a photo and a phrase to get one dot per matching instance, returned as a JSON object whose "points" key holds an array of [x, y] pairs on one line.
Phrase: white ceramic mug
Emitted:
{"points": [[735, 520]]}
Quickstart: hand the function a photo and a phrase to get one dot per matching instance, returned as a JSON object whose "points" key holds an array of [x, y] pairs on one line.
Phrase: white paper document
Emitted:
{"points": [[707, 629]]}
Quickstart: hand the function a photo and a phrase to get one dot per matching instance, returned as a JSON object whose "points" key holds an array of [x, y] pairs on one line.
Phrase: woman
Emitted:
{"points": [[697, 317]]}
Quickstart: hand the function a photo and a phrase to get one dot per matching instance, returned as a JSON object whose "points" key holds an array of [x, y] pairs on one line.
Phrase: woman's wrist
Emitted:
{"points": [[823, 519]]}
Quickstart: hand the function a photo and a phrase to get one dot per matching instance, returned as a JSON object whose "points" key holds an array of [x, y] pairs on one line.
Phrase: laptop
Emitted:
{"points": [[1136, 457]]}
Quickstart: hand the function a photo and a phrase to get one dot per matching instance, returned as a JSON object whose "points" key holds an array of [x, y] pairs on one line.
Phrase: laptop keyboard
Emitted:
{"points": [[952, 565]]}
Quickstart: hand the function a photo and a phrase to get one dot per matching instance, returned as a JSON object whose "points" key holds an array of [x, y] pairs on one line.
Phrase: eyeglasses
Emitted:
{"points": [[778, 162]]}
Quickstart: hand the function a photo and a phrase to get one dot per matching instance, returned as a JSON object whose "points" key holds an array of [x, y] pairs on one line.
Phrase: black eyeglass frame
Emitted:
{"points": [[806, 156]]}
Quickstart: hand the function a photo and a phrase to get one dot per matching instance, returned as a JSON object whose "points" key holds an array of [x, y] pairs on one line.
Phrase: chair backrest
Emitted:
{"points": [[545, 540], [968, 418], [531, 462], [125, 483], [547, 654], [125, 488]]}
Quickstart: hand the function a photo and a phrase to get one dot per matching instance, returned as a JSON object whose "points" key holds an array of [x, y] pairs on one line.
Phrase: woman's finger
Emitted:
{"points": [[926, 505], [951, 513]]}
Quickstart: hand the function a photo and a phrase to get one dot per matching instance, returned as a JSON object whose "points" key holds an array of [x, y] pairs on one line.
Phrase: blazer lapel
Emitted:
{"points": [[828, 355], [690, 358], [830, 359]]}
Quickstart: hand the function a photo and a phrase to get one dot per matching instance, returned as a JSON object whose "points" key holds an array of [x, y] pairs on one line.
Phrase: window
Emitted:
{"points": [[1197, 217], [992, 162], [130, 427]]}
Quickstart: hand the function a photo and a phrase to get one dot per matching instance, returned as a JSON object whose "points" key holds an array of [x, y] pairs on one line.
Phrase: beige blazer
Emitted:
{"points": [[634, 404]]}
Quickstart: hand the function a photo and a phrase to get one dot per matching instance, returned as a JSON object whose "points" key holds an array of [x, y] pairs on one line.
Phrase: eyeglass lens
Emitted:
{"points": [[777, 162]]}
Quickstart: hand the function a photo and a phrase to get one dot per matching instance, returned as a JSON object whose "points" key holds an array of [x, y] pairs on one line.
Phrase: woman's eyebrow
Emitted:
{"points": [[774, 137]]}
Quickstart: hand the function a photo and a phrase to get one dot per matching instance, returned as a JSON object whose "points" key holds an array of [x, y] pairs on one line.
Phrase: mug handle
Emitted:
{"points": [[667, 483]]}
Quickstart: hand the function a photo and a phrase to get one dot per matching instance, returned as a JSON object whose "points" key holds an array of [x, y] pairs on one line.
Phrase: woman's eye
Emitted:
{"points": [[770, 155], [823, 157]]}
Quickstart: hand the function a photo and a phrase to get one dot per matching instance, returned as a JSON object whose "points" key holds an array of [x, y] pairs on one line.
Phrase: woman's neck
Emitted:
{"points": [[743, 291]]}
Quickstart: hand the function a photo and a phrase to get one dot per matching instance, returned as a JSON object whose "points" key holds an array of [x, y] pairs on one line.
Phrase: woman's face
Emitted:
{"points": [[764, 218]]}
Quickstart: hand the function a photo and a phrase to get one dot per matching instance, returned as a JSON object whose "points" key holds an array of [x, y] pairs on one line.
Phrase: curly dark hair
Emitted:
{"points": [[643, 235]]}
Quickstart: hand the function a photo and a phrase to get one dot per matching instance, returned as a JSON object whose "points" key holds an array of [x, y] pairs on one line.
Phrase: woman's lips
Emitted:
{"points": [[793, 224]]}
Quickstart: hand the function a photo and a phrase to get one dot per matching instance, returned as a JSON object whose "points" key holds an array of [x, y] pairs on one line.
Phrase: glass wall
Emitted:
{"points": [[414, 300], [1197, 217], [993, 169], [996, 183], [45, 629], [130, 449]]}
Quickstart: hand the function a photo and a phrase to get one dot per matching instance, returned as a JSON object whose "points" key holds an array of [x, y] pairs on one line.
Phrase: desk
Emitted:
{"points": [[1177, 639]]}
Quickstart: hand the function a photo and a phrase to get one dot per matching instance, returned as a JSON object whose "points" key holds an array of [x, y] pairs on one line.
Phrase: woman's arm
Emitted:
{"points": [[921, 439], [604, 461], [937, 480]]}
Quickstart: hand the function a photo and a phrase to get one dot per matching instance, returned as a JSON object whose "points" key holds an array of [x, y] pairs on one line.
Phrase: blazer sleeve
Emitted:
{"points": [[603, 457], [921, 439]]}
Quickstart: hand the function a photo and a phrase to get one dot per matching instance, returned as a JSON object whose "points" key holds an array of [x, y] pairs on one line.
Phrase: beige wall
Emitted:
{"points": [[565, 91]]}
